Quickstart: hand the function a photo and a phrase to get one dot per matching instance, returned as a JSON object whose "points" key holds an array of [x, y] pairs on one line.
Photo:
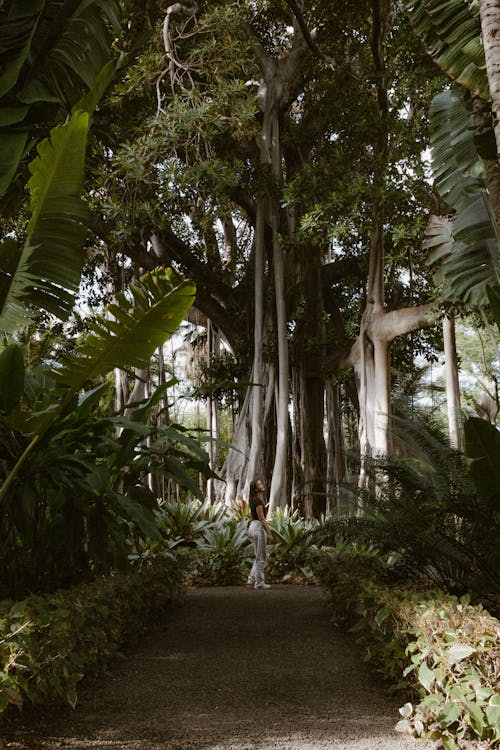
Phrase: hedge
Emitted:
{"points": [[49, 642], [441, 648]]}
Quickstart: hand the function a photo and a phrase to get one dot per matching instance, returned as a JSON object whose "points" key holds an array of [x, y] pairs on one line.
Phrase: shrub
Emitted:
{"points": [[438, 646], [49, 642]]}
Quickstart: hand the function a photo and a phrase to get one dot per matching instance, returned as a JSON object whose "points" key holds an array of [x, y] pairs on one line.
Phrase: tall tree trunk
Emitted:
{"points": [[336, 469], [255, 462], [452, 384], [308, 386]]}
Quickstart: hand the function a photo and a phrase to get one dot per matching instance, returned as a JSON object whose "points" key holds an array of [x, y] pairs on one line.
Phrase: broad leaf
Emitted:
{"points": [[70, 49], [15, 283], [130, 330], [18, 20], [12, 147], [465, 245], [58, 217], [46, 272], [451, 31]]}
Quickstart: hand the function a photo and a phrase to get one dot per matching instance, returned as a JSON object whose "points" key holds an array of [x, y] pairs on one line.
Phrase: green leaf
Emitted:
{"points": [[161, 300], [15, 284], [463, 249], [12, 147], [449, 714], [71, 46], [426, 676], [458, 652], [451, 31], [19, 24], [449, 743]]}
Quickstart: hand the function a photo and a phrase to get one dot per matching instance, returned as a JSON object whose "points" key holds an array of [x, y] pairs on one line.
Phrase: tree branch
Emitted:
{"points": [[308, 35]]}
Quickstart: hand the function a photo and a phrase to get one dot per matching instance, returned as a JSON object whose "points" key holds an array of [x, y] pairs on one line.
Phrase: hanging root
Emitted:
{"points": [[187, 10]]}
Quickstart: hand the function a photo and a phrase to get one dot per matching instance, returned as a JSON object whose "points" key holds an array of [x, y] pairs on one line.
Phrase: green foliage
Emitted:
{"points": [[49, 643], [292, 554], [220, 551], [45, 273], [73, 507], [183, 521], [426, 517], [466, 245], [441, 647], [223, 553], [51, 55], [451, 32]]}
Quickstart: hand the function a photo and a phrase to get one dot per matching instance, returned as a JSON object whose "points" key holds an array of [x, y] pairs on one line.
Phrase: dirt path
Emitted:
{"points": [[232, 669]]}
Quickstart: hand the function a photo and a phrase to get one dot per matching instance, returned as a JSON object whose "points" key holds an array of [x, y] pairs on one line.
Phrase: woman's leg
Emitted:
{"points": [[260, 556]]}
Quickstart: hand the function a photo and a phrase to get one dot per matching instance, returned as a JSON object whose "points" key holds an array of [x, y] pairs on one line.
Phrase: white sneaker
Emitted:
{"points": [[262, 586], [251, 581]]}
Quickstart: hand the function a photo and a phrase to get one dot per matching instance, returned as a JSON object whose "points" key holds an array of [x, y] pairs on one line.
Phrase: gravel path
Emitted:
{"points": [[231, 669]]}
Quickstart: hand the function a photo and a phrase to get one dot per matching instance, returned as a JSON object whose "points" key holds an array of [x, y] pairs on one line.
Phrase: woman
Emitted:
{"points": [[258, 530]]}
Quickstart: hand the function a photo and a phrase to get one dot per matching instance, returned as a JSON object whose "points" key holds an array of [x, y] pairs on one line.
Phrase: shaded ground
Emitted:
{"points": [[231, 669]]}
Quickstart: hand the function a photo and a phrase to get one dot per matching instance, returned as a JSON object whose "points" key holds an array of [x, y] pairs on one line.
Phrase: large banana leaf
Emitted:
{"points": [[451, 31], [52, 53], [45, 273], [464, 248], [131, 329]]}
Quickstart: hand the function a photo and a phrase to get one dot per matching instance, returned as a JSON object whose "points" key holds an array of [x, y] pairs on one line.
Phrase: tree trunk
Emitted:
{"points": [[452, 384], [256, 447], [336, 469], [308, 386]]}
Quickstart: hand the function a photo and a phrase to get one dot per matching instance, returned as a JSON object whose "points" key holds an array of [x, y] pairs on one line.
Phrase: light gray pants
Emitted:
{"points": [[258, 539]]}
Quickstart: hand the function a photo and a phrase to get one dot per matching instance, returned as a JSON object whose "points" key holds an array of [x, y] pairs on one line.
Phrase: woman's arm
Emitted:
{"points": [[262, 519]]}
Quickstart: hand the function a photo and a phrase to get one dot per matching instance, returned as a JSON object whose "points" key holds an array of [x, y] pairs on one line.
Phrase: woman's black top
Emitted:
{"points": [[254, 503]]}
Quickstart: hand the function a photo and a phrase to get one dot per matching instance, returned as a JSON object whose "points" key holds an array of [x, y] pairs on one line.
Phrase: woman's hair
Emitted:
{"points": [[253, 489]]}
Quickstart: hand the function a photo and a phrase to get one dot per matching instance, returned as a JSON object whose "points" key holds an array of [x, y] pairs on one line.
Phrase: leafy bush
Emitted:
{"points": [[442, 648], [49, 642]]}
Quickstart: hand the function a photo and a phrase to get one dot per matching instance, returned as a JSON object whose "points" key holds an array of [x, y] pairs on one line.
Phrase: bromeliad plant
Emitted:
{"points": [[293, 552]]}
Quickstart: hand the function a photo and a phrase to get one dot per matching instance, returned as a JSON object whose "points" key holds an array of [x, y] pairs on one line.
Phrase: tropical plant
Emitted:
{"points": [[71, 491], [293, 550], [466, 244], [182, 521], [57, 62], [427, 517], [52, 53], [223, 552]]}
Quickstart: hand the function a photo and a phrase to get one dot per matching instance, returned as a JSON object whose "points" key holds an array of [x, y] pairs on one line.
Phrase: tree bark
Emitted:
{"points": [[452, 384], [336, 464]]}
